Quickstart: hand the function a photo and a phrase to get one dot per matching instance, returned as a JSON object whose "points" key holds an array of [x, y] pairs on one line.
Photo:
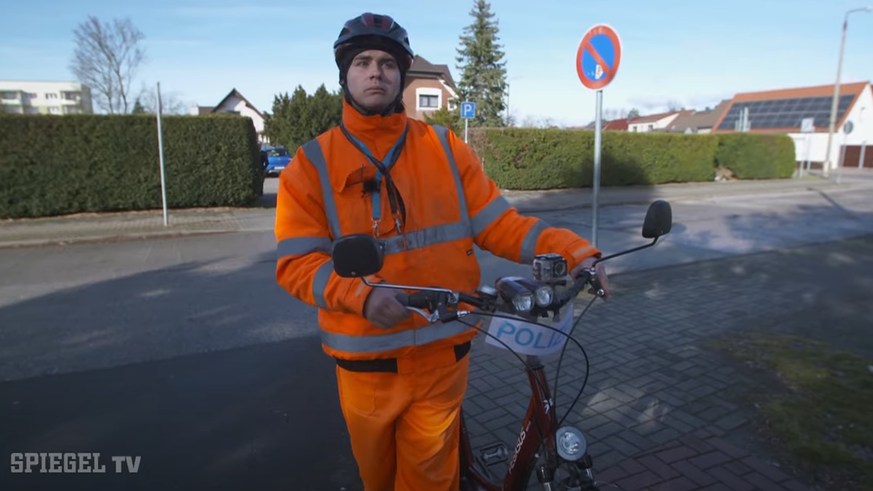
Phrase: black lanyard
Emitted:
{"points": [[394, 198]]}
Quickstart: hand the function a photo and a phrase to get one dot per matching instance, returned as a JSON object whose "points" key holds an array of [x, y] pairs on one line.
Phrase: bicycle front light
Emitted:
{"points": [[523, 302], [544, 295], [571, 443], [514, 289]]}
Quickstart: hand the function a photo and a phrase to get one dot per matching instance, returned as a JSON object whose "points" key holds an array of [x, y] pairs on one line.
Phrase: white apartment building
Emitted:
{"points": [[25, 97]]}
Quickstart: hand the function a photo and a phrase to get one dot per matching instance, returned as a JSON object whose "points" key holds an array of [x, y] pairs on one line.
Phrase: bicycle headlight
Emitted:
{"points": [[544, 295], [571, 443], [518, 291], [523, 302]]}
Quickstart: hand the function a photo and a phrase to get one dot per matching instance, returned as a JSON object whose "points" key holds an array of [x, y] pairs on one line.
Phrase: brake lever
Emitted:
{"points": [[595, 283], [431, 318]]}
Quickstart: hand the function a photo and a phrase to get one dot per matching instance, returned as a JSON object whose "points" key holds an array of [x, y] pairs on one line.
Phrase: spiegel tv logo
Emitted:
{"points": [[71, 463]]}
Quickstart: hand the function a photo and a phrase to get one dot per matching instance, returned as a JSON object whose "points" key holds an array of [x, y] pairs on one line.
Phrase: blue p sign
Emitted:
{"points": [[468, 110]]}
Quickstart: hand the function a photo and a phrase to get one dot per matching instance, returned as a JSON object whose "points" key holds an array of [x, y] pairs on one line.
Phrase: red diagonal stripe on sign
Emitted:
{"points": [[606, 68]]}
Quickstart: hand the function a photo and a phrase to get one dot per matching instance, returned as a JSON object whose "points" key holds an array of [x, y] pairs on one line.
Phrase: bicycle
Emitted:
{"points": [[518, 299]]}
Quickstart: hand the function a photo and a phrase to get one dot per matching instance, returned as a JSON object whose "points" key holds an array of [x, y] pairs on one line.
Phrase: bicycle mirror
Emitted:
{"points": [[357, 255], [659, 220]]}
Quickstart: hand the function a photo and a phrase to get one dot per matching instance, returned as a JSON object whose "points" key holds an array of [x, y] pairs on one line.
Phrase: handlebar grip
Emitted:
{"points": [[418, 300]]}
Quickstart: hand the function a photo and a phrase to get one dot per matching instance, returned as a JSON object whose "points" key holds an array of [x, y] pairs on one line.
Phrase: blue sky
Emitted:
{"points": [[693, 52]]}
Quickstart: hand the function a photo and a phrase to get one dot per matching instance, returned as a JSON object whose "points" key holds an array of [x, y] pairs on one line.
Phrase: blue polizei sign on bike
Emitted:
{"points": [[530, 339]]}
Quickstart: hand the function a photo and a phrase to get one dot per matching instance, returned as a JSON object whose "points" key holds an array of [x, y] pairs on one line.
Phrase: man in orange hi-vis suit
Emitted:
{"points": [[424, 193]]}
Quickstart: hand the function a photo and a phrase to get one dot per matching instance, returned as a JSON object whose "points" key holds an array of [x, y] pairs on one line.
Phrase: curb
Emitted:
{"points": [[522, 207], [107, 239]]}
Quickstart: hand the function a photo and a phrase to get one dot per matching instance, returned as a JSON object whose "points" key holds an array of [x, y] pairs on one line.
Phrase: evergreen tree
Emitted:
{"points": [[137, 108], [483, 78], [301, 117], [444, 117]]}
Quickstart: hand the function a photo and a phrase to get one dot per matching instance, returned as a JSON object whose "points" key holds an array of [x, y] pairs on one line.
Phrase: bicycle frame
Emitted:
{"points": [[537, 430]]}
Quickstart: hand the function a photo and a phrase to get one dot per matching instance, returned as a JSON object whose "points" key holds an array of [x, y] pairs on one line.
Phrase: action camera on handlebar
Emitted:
{"points": [[550, 268]]}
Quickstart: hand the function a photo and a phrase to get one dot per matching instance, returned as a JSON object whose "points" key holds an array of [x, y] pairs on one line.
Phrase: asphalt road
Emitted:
{"points": [[185, 353]]}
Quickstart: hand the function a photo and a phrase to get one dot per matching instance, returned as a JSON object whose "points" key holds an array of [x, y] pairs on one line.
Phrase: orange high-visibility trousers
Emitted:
{"points": [[405, 427]]}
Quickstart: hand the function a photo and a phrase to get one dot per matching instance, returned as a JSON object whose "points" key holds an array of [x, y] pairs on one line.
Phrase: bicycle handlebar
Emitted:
{"points": [[440, 305]]}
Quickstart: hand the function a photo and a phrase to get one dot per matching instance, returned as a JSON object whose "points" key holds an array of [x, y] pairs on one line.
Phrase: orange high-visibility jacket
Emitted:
{"points": [[451, 204]]}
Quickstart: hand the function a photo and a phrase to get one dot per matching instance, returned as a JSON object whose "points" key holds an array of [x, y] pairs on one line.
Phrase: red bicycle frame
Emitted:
{"points": [[538, 430]]}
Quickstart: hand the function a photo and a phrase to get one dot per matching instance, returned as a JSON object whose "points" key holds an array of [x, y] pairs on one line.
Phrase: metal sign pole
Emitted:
{"points": [[161, 154], [861, 157], [466, 128], [598, 136]]}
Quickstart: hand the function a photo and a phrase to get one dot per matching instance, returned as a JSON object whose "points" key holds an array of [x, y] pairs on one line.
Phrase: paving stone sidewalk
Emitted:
{"points": [[660, 411]]}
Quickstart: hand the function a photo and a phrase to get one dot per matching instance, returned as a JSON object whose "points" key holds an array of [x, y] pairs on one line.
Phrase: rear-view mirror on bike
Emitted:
{"points": [[357, 255], [659, 220]]}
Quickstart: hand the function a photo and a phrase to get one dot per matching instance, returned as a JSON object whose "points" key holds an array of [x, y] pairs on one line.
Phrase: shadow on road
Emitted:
{"points": [[208, 371], [825, 218], [191, 307]]}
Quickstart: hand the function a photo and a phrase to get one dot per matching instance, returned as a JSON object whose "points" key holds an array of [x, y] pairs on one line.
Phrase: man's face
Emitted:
{"points": [[374, 79]]}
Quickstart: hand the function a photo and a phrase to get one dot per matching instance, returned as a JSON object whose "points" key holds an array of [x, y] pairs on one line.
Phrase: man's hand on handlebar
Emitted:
{"points": [[382, 308], [600, 279]]}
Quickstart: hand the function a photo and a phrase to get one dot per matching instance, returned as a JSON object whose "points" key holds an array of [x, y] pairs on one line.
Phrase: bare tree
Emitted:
{"points": [[170, 102], [106, 59], [674, 105]]}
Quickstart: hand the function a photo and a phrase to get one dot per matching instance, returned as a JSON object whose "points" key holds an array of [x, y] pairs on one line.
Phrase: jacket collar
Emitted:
{"points": [[378, 133]]}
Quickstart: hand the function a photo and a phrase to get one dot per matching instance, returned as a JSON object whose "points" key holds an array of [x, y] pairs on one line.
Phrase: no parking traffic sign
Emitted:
{"points": [[597, 60], [598, 57]]}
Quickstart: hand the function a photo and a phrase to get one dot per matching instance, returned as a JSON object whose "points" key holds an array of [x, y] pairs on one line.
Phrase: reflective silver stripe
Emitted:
{"points": [[384, 342], [298, 246], [313, 152], [319, 283], [489, 214], [529, 245], [584, 250], [443, 134], [427, 237]]}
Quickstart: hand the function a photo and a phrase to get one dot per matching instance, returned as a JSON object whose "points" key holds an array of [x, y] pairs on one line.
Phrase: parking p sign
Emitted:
{"points": [[468, 110]]}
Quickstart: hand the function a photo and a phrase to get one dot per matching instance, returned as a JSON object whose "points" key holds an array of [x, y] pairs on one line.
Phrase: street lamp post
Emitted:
{"points": [[508, 114], [833, 122]]}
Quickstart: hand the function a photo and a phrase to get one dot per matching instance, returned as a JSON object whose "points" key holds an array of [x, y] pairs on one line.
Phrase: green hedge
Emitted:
{"points": [[533, 159], [55, 165], [751, 156]]}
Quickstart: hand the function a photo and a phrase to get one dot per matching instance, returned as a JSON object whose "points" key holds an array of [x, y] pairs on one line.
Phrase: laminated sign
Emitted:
{"points": [[530, 339]]}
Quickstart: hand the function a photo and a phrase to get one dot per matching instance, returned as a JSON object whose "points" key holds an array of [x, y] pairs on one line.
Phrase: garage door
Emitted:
{"points": [[853, 155]]}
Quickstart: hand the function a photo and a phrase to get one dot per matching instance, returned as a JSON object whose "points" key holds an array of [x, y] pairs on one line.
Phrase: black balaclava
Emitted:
{"points": [[396, 106]]}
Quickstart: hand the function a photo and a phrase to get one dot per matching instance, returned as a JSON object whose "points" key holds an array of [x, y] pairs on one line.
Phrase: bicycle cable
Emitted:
{"points": [[569, 337]]}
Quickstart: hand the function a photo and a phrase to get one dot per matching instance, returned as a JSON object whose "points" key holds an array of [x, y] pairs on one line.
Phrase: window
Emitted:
{"points": [[8, 96], [428, 98], [55, 110], [786, 113], [51, 96], [429, 101]]}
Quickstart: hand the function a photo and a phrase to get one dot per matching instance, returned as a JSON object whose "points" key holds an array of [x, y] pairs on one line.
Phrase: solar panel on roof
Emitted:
{"points": [[787, 113]]}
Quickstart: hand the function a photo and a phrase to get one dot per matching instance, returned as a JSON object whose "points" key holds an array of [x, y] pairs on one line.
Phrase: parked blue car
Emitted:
{"points": [[277, 159]]}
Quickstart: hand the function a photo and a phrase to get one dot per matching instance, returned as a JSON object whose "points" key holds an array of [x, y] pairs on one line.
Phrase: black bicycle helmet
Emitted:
{"points": [[374, 31]]}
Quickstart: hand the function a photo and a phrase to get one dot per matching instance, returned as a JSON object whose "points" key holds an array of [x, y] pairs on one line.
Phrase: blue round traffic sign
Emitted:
{"points": [[598, 57]]}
